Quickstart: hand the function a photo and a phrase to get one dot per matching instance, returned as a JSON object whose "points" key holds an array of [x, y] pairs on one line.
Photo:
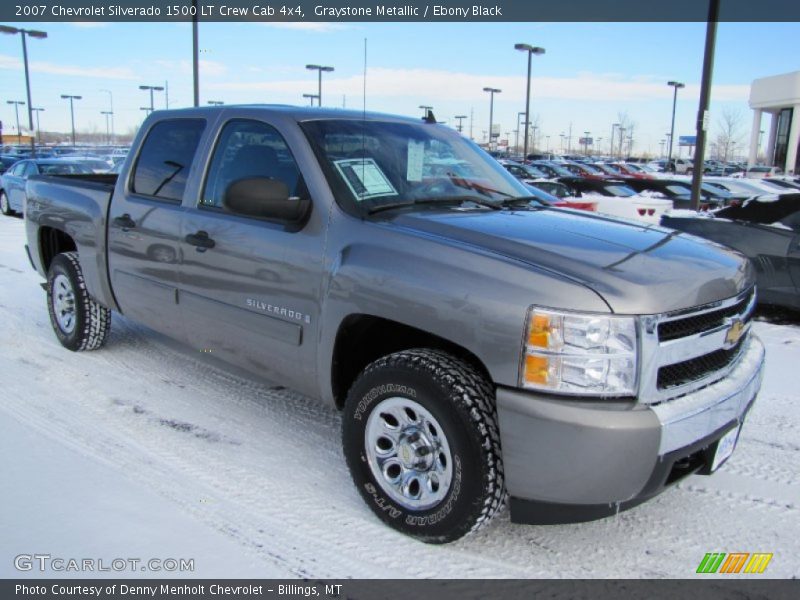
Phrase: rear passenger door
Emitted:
{"points": [[145, 224], [251, 295]]}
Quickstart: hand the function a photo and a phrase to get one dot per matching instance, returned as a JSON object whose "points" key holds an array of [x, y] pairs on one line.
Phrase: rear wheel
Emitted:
{"points": [[421, 441], [5, 207], [79, 322]]}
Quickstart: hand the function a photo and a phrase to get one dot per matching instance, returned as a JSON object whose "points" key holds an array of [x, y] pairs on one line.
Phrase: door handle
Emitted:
{"points": [[200, 240], [124, 222]]}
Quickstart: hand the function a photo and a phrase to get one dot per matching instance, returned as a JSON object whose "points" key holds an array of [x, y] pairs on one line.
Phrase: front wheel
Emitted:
{"points": [[5, 207], [421, 441], [79, 322]]}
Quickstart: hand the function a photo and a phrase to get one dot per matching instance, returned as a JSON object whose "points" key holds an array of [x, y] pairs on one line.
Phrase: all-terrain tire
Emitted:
{"points": [[460, 401], [79, 322]]}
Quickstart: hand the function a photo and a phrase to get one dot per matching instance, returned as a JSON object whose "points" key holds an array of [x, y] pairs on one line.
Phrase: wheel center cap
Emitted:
{"points": [[415, 451]]}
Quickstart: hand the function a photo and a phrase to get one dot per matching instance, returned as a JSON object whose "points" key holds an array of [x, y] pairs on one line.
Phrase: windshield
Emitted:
{"points": [[372, 164], [620, 190], [62, 169]]}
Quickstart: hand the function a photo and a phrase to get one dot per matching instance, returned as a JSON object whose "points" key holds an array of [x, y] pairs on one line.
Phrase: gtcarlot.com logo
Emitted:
{"points": [[735, 562], [47, 562]]}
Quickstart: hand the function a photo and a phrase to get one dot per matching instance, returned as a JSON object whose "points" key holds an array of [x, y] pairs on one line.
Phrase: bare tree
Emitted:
{"points": [[729, 132]]}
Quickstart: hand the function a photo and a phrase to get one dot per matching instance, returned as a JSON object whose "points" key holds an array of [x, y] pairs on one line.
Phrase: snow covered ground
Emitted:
{"points": [[147, 450]]}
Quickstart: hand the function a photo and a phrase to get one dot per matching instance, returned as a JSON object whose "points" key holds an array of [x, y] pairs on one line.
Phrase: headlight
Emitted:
{"points": [[580, 353]]}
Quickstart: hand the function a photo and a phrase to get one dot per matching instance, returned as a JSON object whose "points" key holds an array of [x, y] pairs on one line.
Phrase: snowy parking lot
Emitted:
{"points": [[146, 449]]}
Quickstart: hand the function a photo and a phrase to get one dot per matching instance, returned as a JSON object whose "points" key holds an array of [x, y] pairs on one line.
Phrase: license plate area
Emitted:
{"points": [[724, 448]]}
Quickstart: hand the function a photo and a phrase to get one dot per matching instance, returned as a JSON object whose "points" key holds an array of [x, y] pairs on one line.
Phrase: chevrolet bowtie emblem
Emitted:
{"points": [[734, 333]]}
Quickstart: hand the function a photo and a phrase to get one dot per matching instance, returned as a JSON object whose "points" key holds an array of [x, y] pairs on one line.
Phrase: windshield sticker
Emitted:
{"points": [[416, 156], [365, 178]]}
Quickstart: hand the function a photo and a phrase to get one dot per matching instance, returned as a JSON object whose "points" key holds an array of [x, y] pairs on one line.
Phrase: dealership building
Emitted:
{"points": [[779, 96]]}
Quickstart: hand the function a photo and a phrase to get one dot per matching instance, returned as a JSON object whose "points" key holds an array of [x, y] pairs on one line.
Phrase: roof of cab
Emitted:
{"points": [[298, 113]]}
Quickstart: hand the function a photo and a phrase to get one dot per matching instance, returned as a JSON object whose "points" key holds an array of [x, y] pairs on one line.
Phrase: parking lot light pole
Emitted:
{"points": [[17, 104], [111, 111], [38, 128], [460, 118], [492, 91], [425, 108], [531, 50], [676, 86], [215, 102], [319, 69], [107, 113], [72, 112], [152, 88], [23, 34], [586, 142]]}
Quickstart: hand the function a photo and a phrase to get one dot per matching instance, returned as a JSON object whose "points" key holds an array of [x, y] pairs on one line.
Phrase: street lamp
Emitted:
{"points": [[311, 98], [215, 102], [72, 112], [111, 110], [38, 129], [676, 85], [492, 92], [425, 108], [460, 118], [34, 34], [17, 104], [319, 69], [531, 50], [107, 113], [152, 88]]}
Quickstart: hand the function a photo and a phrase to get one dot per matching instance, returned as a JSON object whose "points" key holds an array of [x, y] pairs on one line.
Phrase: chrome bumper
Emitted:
{"points": [[691, 417], [572, 452]]}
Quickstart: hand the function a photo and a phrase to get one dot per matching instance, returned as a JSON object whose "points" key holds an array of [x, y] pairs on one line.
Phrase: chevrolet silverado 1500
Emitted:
{"points": [[481, 345]]}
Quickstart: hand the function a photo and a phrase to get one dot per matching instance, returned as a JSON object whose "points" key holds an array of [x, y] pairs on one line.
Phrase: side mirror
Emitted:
{"points": [[265, 198]]}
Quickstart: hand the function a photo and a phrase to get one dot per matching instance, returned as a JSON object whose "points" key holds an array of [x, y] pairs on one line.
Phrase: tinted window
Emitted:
{"points": [[30, 169], [249, 149], [63, 169], [17, 169], [166, 158]]}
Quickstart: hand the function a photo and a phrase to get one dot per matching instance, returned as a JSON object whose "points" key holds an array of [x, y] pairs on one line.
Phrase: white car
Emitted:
{"points": [[636, 208], [761, 171]]}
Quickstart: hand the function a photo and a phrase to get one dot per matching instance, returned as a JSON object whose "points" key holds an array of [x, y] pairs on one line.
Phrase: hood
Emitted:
{"points": [[636, 268]]}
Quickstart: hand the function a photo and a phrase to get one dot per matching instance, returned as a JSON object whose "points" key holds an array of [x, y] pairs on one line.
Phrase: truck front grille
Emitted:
{"points": [[686, 350], [699, 323], [696, 368]]}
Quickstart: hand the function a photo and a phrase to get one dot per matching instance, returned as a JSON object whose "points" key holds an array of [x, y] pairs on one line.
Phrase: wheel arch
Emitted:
{"points": [[363, 338], [52, 242]]}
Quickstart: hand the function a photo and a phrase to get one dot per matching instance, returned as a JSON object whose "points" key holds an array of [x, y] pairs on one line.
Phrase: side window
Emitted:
{"points": [[18, 169], [30, 169], [249, 149], [166, 157]]}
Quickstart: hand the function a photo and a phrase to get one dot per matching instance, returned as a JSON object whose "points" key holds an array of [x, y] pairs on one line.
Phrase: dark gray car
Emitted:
{"points": [[767, 231]]}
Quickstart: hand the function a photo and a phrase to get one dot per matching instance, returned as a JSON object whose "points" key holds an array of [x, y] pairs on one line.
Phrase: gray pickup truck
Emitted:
{"points": [[480, 343]]}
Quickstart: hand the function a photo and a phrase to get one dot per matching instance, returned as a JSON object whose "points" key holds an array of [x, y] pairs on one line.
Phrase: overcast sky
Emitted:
{"points": [[590, 73]]}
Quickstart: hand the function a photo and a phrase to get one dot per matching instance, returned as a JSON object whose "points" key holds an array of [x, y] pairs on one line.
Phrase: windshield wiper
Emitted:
{"points": [[523, 200], [441, 200]]}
